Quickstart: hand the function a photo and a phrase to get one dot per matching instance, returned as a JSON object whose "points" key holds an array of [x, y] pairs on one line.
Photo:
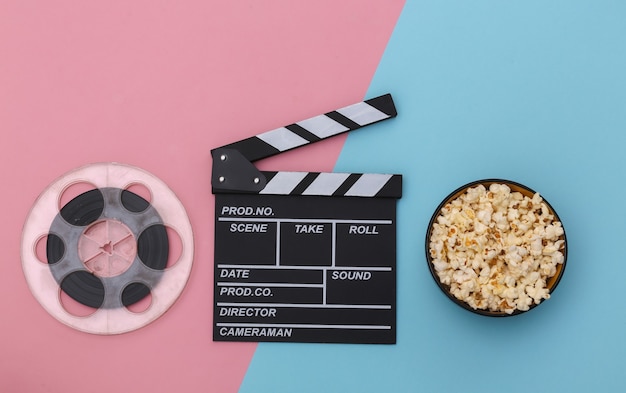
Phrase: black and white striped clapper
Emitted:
{"points": [[304, 256]]}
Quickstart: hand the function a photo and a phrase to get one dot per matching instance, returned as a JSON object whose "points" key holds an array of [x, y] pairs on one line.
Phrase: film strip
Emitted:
{"points": [[304, 256], [113, 257]]}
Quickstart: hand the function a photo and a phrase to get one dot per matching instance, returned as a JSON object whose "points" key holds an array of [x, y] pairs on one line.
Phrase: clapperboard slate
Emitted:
{"points": [[303, 256]]}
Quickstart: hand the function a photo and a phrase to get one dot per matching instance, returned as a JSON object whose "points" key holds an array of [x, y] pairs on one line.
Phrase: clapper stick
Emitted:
{"points": [[233, 170], [304, 256]]}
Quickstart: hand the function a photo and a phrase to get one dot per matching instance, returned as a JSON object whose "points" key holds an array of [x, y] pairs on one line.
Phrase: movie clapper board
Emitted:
{"points": [[304, 256]]}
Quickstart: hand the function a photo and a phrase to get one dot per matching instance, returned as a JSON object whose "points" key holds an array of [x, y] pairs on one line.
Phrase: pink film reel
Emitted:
{"points": [[107, 248]]}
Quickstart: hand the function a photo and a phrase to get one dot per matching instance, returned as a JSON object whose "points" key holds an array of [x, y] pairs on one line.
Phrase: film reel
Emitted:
{"points": [[107, 248]]}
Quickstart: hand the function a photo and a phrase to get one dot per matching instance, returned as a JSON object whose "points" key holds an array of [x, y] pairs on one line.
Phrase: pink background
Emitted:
{"points": [[157, 85]]}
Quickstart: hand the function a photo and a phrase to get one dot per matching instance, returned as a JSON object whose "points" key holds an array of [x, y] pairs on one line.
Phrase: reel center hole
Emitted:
{"points": [[107, 249]]}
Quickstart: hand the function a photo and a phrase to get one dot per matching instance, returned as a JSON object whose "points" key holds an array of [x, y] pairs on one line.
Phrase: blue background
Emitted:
{"points": [[531, 91]]}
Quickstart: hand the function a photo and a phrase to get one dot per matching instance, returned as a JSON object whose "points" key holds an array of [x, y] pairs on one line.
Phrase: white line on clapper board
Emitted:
{"points": [[307, 305], [304, 326]]}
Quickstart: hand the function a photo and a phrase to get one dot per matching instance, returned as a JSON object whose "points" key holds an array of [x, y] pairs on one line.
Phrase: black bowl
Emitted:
{"points": [[551, 283]]}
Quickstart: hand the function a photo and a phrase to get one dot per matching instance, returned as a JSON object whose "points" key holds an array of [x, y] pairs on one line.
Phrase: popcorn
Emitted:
{"points": [[497, 248]]}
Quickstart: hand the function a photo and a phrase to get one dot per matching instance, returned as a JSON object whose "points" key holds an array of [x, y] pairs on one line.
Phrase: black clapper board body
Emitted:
{"points": [[304, 256]]}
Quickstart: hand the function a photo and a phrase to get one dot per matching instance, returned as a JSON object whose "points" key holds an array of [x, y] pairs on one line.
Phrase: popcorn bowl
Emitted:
{"points": [[496, 252]]}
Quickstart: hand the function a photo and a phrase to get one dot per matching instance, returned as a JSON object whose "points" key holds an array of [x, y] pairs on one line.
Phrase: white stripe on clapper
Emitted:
{"points": [[368, 185], [362, 113], [282, 139], [322, 126], [283, 183], [325, 184]]}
